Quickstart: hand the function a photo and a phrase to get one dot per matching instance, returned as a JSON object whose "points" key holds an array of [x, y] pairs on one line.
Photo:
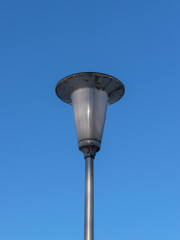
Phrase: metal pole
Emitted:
{"points": [[89, 200]]}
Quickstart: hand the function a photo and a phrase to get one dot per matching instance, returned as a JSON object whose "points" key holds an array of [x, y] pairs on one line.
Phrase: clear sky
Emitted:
{"points": [[137, 171]]}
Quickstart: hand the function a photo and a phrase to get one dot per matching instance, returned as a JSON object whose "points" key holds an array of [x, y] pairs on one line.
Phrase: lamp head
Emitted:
{"points": [[89, 93]]}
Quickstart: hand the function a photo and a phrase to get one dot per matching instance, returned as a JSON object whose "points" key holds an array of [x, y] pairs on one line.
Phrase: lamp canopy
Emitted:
{"points": [[113, 87]]}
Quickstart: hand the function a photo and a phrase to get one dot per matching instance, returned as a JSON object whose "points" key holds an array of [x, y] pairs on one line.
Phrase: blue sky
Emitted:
{"points": [[137, 170]]}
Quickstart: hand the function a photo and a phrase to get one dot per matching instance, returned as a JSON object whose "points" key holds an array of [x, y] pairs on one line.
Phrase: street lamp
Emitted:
{"points": [[89, 93]]}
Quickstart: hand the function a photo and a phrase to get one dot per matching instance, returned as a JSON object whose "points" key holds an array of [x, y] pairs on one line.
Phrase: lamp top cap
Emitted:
{"points": [[114, 88]]}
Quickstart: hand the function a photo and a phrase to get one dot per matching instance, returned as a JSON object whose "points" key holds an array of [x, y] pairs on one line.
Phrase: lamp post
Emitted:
{"points": [[89, 93]]}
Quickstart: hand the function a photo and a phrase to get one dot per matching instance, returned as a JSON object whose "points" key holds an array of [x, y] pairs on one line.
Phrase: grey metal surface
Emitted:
{"points": [[89, 200], [114, 88], [89, 92], [89, 107]]}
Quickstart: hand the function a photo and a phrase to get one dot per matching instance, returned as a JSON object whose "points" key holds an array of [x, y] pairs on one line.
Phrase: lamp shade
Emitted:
{"points": [[89, 108], [89, 93]]}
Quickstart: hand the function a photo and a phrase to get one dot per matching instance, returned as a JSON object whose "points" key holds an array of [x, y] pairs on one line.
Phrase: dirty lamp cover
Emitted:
{"points": [[89, 108]]}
